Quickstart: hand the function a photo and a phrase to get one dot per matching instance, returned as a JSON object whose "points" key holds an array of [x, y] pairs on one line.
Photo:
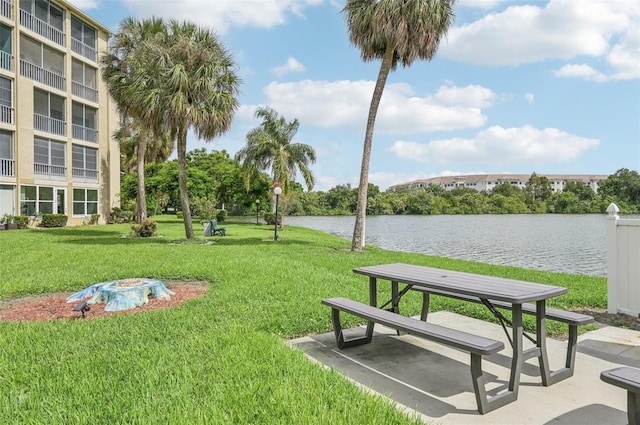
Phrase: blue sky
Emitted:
{"points": [[517, 86]]}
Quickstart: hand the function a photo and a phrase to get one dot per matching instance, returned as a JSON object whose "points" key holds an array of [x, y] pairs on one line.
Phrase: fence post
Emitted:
{"points": [[612, 255]]}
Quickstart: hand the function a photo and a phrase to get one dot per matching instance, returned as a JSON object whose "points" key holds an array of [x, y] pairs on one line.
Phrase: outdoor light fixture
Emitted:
{"points": [[82, 308], [257, 210], [277, 190]]}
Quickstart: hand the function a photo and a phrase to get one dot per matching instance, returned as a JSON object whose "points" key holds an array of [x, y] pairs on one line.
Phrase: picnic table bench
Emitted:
{"points": [[627, 378], [477, 346], [572, 319]]}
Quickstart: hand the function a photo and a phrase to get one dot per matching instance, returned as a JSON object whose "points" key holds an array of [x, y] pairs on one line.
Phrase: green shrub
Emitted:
{"points": [[94, 219], [146, 229], [54, 220], [120, 216], [7, 219], [221, 216], [22, 221], [270, 217], [204, 208], [179, 214]]}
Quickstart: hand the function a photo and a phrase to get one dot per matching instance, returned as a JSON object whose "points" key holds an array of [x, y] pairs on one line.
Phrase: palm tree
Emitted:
{"points": [[158, 149], [196, 91], [395, 31], [269, 149], [124, 66]]}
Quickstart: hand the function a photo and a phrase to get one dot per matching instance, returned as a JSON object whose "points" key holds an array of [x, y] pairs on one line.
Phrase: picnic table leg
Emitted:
{"points": [[395, 304], [541, 342], [373, 301], [633, 402], [518, 355]]}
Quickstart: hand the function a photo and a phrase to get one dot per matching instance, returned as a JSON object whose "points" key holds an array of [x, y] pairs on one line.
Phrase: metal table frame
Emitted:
{"points": [[487, 288]]}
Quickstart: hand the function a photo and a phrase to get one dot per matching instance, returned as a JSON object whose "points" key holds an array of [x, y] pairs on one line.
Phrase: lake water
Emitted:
{"points": [[573, 244]]}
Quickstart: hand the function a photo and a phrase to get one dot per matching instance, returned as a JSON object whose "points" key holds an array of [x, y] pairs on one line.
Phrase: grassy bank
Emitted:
{"points": [[218, 359]]}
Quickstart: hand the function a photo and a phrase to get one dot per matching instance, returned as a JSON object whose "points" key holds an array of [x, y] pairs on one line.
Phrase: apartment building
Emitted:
{"points": [[487, 182], [57, 154]]}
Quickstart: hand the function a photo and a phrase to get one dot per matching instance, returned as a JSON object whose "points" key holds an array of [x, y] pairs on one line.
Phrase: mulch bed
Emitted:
{"points": [[54, 306]]}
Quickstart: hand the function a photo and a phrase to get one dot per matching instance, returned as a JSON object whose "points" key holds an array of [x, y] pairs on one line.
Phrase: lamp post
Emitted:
{"points": [[257, 210], [277, 190]]}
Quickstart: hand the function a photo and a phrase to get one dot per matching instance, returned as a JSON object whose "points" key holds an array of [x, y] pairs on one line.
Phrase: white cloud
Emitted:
{"points": [[479, 4], [292, 65], [471, 96], [498, 145], [580, 71], [530, 97], [324, 183], [85, 4], [623, 61], [222, 14], [562, 29], [345, 105]]}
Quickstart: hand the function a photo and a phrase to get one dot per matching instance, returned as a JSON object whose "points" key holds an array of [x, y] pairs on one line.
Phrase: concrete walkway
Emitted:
{"points": [[434, 381]]}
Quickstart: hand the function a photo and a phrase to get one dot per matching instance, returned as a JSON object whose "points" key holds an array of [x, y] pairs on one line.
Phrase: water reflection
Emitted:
{"points": [[564, 243]]}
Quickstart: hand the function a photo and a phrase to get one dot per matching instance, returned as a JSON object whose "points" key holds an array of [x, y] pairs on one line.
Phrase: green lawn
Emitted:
{"points": [[215, 360]]}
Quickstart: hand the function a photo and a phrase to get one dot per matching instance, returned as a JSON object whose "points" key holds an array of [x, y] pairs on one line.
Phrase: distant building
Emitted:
{"points": [[487, 182], [57, 154]]}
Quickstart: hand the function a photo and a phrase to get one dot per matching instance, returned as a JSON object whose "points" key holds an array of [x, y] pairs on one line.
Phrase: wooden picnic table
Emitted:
{"points": [[486, 288]]}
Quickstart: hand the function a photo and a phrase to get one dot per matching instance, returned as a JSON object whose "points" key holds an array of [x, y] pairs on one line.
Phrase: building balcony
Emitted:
{"points": [[85, 133], [50, 172], [6, 114], [85, 92], [6, 61], [82, 175], [6, 8], [7, 167], [41, 75], [40, 27], [82, 49], [50, 125]]}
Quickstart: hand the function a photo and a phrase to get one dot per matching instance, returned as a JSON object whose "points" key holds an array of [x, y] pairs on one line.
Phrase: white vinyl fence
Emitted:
{"points": [[623, 264]]}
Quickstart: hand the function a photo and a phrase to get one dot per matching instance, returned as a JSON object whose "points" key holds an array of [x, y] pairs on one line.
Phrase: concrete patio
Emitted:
{"points": [[434, 381]]}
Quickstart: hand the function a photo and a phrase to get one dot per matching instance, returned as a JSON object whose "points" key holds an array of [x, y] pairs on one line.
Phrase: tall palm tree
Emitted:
{"points": [[196, 91], [395, 31], [269, 148], [157, 148], [125, 65]]}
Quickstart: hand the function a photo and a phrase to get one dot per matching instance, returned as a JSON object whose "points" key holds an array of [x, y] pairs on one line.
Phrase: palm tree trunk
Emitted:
{"points": [[357, 242], [141, 202], [182, 179]]}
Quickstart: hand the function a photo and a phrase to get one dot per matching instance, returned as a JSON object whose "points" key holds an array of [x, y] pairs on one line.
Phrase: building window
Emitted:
{"points": [[6, 144], [44, 18], [85, 122], [28, 200], [84, 80], [41, 63], [83, 38], [42, 200], [6, 52], [6, 100], [7, 162], [84, 162], [45, 11], [85, 201], [49, 157], [49, 112]]}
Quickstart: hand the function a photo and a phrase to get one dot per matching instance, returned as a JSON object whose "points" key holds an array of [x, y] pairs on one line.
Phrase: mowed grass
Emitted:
{"points": [[220, 359]]}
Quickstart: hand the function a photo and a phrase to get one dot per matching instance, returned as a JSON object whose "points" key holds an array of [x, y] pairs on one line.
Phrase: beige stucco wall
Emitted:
{"points": [[108, 184]]}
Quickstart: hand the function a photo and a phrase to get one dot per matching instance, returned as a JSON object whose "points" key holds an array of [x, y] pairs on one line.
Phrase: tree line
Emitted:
{"points": [[216, 180], [537, 197]]}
